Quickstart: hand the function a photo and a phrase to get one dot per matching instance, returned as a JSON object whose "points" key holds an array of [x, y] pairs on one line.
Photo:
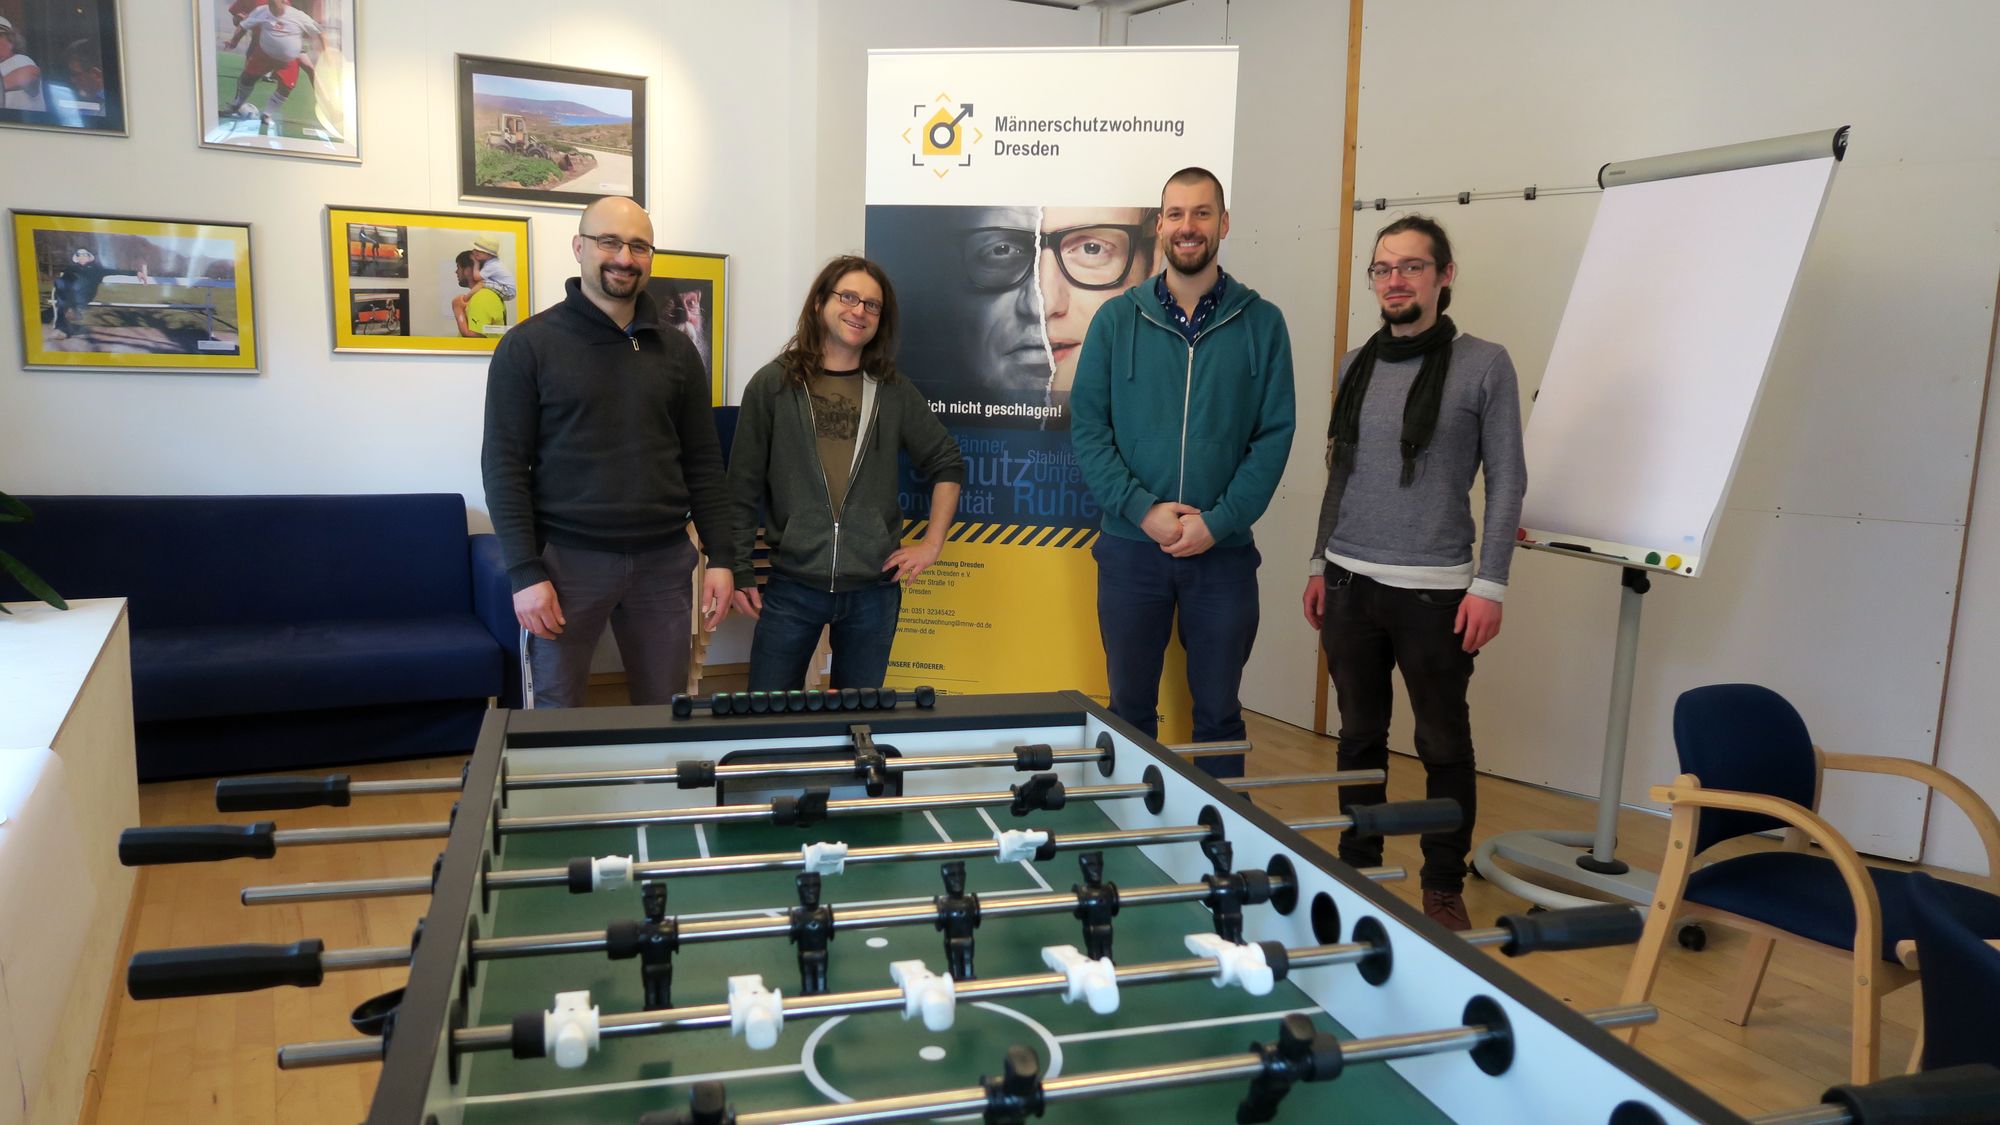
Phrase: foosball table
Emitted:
{"points": [[882, 906]]}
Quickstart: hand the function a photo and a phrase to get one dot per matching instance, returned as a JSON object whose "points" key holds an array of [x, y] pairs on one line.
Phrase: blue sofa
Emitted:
{"points": [[276, 632]]}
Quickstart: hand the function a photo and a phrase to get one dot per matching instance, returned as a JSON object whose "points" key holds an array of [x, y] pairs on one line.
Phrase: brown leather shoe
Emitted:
{"points": [[1447, 909]]}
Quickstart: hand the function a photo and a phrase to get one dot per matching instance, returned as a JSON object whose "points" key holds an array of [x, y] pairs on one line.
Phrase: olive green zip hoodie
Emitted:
{"points": [[774, 465]]}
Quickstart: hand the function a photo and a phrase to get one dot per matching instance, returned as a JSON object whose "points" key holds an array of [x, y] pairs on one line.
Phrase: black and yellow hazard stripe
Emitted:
{"points": [[1007, 534]]}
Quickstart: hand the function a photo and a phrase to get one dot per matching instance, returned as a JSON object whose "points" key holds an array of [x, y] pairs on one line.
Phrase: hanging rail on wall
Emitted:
{"points": [[1380, 203]]}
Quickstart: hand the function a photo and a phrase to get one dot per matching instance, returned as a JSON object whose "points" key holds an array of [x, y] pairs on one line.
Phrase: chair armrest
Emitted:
{"points": [[493, 604], [1867, 907], [1957, 792]]}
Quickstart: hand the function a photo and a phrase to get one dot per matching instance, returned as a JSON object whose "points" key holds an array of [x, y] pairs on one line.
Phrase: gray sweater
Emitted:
{"points": [[1429, 523]]}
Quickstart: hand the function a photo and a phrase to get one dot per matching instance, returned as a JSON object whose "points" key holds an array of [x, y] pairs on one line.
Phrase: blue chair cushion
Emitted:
{"points": [[1804, 894], [203, 671]]}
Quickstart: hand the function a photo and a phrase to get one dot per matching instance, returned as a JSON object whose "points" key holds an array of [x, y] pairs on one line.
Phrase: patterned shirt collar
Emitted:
{"points": [[1190, 326]]}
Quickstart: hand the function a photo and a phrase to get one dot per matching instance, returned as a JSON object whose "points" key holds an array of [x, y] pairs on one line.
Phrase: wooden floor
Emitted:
{"points": [[211, 1060]]}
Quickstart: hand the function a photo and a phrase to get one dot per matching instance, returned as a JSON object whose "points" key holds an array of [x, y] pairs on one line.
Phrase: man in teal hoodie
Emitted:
{"points": [[1182, 420]]}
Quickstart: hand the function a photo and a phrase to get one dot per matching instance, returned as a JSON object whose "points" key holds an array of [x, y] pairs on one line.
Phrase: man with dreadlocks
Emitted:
{"points": [[1394, 584]]}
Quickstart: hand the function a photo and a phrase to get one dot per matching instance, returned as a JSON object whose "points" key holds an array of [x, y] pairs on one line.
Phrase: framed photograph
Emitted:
{"points": [[425, 282], [551, 135], [62, 66], [692, 291], [118, 294], [278, 76]]}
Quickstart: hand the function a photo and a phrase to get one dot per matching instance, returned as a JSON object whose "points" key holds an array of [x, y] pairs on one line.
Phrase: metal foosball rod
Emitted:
{"points": [[285, 791], [1300, 1053], [208, 970], [590, 874], [1043, 792], [1515, 935], [248, 968], [1095, 901]]}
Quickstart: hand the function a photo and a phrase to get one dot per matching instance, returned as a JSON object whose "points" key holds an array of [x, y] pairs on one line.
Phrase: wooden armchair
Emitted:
{"points": [[1748, 765]]}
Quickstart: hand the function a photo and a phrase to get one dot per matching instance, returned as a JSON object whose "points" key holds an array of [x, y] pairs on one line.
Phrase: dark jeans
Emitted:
{"points": [[646, 598], [1139, 587], [864, 626], [1370, 628]]}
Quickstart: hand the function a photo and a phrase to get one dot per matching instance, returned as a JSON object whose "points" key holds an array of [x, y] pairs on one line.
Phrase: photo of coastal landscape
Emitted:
{"points": [[548, 134]]}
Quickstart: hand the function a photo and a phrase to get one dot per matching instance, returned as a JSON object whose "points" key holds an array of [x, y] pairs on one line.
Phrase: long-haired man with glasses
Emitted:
{"points": [[816, 446], [600, 443], [1420, 409], [1182, 419]]}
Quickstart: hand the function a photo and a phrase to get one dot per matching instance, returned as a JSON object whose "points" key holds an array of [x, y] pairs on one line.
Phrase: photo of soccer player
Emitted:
{"points": [[134, 294], [455, 289], [278, 76], [61, 66]]}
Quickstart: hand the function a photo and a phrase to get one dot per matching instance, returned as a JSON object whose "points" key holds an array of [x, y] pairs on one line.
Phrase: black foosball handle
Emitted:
{"points": [[1583, 927], [1955, 1093], [197, 843], [262, 794], [1407, 818], [212, 970]]}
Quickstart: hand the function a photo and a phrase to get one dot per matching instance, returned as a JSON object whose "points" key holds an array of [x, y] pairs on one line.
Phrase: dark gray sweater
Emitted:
{"points": [[1429, 524], [599, 437]]}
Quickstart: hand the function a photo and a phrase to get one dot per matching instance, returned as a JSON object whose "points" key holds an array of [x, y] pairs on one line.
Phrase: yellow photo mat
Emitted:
{"points": [[425, 284], [210, 327], [695, 266]]}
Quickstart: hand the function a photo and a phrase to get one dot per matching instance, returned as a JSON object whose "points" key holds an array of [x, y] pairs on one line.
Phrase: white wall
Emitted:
{"points": [[1835, 571], [732, 170]]}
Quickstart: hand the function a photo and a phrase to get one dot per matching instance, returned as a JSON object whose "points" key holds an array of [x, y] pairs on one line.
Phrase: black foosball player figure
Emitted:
{"points": [[1096, 905], [1225, 898], [812, 929], [958, 919], [657, 945]]}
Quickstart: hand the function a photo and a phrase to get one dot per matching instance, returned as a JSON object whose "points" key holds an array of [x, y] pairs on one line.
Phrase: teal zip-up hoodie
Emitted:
{"points": [[1154, 418]]}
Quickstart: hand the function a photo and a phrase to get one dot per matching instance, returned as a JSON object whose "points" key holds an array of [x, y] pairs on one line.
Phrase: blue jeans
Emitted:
{"points": [[864, 626], [1139, 587]]}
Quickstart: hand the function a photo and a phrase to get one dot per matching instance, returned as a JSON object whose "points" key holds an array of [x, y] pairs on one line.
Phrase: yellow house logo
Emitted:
{"points": [[938, 137]]}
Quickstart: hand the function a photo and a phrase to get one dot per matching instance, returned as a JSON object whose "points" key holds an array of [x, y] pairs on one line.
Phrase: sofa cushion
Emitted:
{"points": [[207, 670], [251, 560]]}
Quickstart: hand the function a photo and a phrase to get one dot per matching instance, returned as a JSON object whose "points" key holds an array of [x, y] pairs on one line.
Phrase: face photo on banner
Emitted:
{"points": [[1000, 299], [278, 76]]}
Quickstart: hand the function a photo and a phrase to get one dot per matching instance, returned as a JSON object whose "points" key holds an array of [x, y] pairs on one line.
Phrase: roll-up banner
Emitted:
{"points": [[1010, 194]]}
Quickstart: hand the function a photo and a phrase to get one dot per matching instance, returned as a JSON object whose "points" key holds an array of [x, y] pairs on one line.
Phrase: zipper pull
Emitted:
{"points": [[635, 342]]}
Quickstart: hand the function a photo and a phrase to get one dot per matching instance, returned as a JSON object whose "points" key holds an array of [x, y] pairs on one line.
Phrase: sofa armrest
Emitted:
{"points": [[493, 602]]}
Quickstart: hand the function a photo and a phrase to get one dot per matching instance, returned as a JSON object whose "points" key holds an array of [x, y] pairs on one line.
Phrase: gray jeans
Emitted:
{"points": [[647, 597]]}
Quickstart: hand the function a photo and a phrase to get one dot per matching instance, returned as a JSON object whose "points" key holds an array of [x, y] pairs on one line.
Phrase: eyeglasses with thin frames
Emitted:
{"points": [[1094, 256], [611, 244], [1413, 268], [850, 298]]}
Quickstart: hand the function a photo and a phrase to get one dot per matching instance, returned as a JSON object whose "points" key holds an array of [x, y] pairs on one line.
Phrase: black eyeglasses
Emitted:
{"points": [[611, 244], [1096, 256], [1415, 267], [850, 298]]}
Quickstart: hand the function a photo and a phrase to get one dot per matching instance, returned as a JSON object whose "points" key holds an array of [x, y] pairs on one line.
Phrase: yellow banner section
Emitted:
{"points": [[1013, 607]]}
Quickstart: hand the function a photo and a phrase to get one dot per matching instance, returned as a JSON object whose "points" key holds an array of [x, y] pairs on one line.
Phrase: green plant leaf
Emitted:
{"points": [[12, 510], [30, 581]]}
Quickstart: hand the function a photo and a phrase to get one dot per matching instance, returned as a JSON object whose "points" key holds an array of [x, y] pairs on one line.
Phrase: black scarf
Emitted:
{"points": [[1420, 409]]}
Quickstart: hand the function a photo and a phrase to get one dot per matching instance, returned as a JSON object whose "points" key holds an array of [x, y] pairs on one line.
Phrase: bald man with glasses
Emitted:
{"points": [[600, 446]]}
